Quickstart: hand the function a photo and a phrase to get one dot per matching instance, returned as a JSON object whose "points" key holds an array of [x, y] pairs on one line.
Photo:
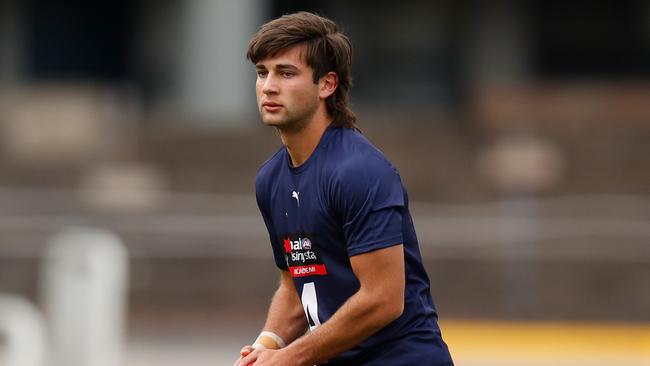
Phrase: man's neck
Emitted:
{"points": [[302, 143]]}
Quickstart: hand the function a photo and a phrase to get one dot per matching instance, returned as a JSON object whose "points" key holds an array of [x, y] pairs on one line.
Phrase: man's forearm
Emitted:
{"points": [[379, 300], [360, 317], [286, 317]]}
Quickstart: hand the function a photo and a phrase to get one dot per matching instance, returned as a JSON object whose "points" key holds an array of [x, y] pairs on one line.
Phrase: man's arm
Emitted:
{"points": [[285, 317], [379, 301]]}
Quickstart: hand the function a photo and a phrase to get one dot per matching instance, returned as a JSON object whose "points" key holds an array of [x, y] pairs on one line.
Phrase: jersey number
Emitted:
{"points": [[310, 304]]}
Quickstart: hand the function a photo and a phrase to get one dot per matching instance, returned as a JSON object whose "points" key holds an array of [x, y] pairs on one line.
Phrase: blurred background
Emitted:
{"points": [[129, 143]]}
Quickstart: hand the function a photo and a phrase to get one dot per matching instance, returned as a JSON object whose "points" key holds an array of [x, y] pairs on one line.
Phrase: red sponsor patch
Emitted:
{"points": [[287, 245], [308, 270]]}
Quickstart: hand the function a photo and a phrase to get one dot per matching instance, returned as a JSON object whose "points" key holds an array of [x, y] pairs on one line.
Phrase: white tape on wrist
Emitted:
{"points": [[259, 344], [275, 337]]}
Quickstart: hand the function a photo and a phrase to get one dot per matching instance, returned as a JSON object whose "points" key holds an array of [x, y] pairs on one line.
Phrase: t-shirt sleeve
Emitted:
{"points": [[276, 245], [370, 200]]}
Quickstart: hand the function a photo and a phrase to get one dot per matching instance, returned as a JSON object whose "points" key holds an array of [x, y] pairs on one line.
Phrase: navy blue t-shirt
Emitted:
{"points": [[347, 199]]}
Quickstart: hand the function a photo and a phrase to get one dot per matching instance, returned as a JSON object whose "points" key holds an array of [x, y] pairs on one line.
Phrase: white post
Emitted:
{"points": [[24, 329], [84, 291], [216, 82]]}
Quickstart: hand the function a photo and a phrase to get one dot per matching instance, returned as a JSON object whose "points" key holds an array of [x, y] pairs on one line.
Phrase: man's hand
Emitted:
{"points": [[245, 351], [269, 357]]}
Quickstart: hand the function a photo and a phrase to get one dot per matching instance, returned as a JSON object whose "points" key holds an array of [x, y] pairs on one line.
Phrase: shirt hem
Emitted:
{"points": [[371, 247]]}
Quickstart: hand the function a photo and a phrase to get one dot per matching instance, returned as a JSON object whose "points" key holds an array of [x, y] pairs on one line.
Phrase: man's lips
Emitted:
{"points": [[271, 107]]}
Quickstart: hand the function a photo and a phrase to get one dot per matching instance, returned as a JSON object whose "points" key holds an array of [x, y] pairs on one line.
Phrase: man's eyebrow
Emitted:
{"points": [[278, 67], [285, 67]]}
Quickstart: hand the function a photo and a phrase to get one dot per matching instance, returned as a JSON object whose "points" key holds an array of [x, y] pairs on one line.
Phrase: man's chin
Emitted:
{"points": [[273, 123]]}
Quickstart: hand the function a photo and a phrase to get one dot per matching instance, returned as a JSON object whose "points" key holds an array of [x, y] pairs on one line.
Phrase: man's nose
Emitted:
{"points": [[270, 85]]}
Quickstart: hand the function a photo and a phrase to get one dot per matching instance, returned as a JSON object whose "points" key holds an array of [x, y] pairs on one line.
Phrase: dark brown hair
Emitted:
{"points": [[328, 49]]}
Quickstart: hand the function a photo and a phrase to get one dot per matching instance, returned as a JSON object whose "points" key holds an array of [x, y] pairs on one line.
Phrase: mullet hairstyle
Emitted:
{"points": [[328, 49]]}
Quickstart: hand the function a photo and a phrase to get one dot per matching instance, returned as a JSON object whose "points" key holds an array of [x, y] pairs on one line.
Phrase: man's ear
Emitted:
{"points": [[327, 84]]}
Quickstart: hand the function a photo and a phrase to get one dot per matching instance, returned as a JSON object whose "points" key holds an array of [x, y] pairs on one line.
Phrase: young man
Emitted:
{"points": [[337, 216]]}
